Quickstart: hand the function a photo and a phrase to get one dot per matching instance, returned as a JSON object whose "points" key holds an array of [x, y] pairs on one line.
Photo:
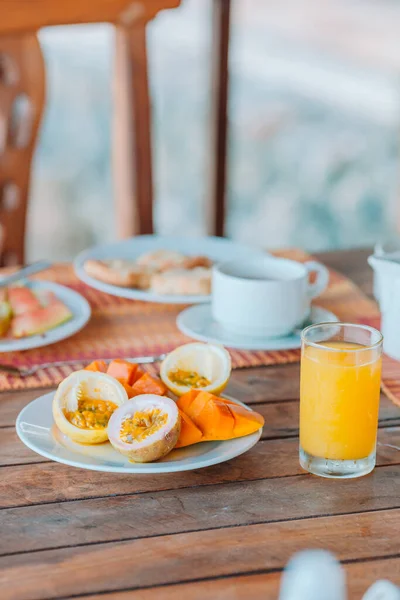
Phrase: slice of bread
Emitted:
{"points": [[161, 260], [196, 281], [191, 262], [123, 273]]}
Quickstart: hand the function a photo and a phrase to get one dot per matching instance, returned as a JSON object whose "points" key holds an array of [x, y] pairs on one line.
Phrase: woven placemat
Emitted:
{"points": [[127, 328]]}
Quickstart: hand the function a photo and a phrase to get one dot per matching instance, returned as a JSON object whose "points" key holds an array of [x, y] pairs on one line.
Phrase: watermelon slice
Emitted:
{"points": [[41, 319], [22, 300]]}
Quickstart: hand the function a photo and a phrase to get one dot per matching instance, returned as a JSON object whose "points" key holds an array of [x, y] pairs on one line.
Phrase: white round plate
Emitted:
{"points": [[218, 249], [36, 429], [78, 305], [197, 322]]}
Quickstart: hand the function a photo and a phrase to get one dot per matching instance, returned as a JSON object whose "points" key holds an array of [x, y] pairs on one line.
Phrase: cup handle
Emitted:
{"points": [[322, 280]]}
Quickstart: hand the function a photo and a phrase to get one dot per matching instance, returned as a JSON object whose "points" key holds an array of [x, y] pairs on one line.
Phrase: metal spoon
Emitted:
{"points": [[26, 371]]}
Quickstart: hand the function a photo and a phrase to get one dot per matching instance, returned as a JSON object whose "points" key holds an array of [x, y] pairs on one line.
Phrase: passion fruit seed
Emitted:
{"points": [[188, 378], [90, 413], [142, 424]]}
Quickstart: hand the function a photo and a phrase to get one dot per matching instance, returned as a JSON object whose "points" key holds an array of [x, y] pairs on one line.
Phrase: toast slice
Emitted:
{"points": [[196, 281], [123, 273]]}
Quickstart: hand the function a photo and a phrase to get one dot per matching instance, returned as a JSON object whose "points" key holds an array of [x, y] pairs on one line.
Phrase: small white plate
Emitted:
{"points": [[79, 307], [217, 249], [197, 322], [36, 429]]}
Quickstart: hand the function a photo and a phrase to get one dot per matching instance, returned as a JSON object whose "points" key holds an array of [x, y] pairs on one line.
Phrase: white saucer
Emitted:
{"points": [[36, 429], [197, 322]]}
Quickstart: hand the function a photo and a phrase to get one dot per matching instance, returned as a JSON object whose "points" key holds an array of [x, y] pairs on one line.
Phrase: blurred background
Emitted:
{"points": [[314, 126]]}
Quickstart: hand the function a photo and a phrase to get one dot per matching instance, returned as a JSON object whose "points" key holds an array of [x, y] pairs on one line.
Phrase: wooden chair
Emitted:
{"points": [[22, 100]]}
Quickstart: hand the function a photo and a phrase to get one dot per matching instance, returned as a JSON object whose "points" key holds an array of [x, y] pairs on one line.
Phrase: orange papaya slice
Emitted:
{"points": [[149, 385], [185, 401], [129, 390], [97, 365], [190, 434], [122, 370], [246, 421], [137, 375], [211, 416], [218, 418]]}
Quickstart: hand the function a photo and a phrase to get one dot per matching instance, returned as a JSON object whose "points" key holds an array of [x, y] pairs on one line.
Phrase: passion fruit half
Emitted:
{"points": [[145, 428], [84, 403]]}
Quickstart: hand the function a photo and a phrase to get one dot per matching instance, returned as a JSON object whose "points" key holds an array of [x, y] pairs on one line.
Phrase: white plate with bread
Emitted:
{"points": [[155, 268]]}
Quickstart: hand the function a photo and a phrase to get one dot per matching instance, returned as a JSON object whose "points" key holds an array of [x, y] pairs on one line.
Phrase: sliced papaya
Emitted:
{"points": [[246, 421], [149, 385], [190, 433], [186, 400], [122, 370], [217, 418], [216, 421], [137, 375], [97, 365], [129, 390], [211, 416]]}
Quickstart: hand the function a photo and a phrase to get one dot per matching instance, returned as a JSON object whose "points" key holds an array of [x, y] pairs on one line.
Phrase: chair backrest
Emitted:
{"points": [[22, 96], [21, 58]]}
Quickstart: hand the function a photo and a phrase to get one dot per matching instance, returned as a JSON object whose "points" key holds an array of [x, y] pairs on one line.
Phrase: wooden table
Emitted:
{"points": [[224, 532]]}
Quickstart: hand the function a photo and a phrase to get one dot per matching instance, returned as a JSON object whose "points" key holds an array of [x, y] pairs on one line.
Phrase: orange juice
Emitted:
{"points": [[339, 400]]}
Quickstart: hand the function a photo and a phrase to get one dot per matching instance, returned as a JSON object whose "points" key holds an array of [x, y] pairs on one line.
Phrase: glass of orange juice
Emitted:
{"points": [[339, 399]]}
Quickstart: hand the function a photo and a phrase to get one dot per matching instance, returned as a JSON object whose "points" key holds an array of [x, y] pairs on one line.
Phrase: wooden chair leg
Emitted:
{"points": [[220, 80], [132, 133]]}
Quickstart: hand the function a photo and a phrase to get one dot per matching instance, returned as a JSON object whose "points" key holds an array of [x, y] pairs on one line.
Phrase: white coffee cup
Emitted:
{"points": [[264, 297]]}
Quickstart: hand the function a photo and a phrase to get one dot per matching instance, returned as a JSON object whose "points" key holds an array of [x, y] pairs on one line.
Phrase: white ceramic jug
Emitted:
{"points": [[387, 277]]}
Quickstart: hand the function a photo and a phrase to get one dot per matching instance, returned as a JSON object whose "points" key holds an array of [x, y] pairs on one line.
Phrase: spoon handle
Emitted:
{"points": [[26, 371], [35, 267]]}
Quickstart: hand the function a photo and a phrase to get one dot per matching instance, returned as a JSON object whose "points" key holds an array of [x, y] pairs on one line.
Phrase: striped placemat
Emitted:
{"points": [[126, 328]]}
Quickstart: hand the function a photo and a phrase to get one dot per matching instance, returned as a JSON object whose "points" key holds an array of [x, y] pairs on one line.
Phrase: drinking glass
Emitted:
{"points": [[339, 399]]}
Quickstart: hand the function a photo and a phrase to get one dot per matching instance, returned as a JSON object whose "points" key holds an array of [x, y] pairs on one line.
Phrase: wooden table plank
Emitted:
{"points": [[193, 509], [13, 452], [259, 587], [268, 459], [216, 553], [11, 403]]}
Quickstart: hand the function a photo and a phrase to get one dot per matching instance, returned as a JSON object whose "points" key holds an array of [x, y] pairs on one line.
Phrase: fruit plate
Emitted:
{"points": [[36, 429], [79, 307], [217, 249]]}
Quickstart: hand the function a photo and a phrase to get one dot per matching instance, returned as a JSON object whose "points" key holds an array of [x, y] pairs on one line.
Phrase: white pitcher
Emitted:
{"points": [[387, 277]]}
